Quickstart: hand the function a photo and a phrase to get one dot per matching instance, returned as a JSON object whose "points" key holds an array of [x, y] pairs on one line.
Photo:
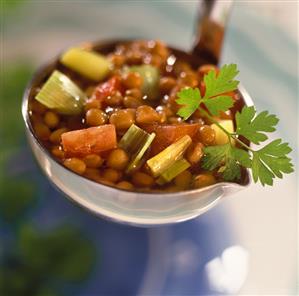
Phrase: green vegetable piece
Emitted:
{"points": [[87, 63], [136, 142], [133, 139], [166, 158], [151, 78], [61, 94], [178, 167], [136, 159]]}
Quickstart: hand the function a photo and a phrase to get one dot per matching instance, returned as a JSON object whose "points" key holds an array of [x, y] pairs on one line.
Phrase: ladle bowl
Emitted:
{"points": [[133, 208]]}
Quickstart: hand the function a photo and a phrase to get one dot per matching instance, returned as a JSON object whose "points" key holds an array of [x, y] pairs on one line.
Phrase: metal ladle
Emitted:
{"points": [[135, 208]]}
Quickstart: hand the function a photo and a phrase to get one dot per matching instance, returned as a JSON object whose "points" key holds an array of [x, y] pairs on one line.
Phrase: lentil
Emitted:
{"points": [[95, 117], [141, 179], [117, 159], [122, 119], [76, 165]]}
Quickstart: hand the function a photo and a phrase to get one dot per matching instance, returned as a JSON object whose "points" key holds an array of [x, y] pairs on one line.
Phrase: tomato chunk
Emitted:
{"points": [[168, 134], [90, 140], [107, 88]]}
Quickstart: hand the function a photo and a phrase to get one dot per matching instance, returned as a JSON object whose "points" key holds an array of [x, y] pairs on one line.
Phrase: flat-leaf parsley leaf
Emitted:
{"points": [[266, 163], [217, 84], [227, 158], [271, 161], [252, 126], [215, 99], [217, 104], [190, 98]]}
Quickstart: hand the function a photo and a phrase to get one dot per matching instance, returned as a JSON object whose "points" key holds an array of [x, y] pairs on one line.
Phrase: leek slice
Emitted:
{"points": [[136, 141], [166, 158], [175, 169], [62, 94], [87, 63], [136, 159], [151, 77]]}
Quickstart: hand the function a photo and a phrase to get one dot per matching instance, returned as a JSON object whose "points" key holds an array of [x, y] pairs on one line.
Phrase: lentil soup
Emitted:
{"points": [[110, 115]]}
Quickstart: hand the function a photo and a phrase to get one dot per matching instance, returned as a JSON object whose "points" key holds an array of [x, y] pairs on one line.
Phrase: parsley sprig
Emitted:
{"points": [[216, 87], [266, 163]]}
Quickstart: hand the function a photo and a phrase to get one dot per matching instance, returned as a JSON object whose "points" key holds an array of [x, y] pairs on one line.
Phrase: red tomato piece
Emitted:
{"points": [[168, 134], [107, 88], [90, 140]]}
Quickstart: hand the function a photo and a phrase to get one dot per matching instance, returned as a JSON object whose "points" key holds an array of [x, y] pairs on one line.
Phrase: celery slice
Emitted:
{"points": [[136, 159], [133, 139], [175, 169], [136, 141], [87, 63], [151, 78], [62, 94], [165, 159]]}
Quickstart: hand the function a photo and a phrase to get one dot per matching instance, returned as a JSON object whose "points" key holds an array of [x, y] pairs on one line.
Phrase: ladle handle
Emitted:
{"points": [[211, 24]]}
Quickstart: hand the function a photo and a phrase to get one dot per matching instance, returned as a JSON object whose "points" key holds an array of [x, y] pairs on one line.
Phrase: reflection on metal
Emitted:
{"points": [[228, 273]]}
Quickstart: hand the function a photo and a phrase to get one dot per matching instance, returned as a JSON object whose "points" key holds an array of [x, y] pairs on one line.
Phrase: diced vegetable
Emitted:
{"points": [[107, 88], [61, 94], [91, 140], [220, 136], [178, 167], [136, 159], [133, 139], [136, 141], [162, 161], [168, 134], [151, 78], [88, 63]]}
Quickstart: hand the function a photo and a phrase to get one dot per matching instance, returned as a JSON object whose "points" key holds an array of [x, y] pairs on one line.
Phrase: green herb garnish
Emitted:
{"points": [[214, 98], [266, 163], [252, 126]]}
